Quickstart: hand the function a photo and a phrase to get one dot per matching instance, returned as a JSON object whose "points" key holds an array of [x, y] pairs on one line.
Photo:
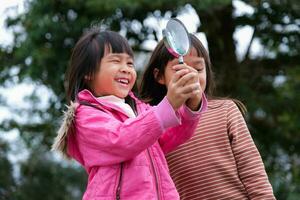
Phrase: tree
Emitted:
{"points": [[7, 182]]}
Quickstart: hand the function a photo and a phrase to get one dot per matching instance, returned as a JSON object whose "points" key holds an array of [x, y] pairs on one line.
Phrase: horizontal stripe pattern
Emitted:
{"points": [[221, 160]]}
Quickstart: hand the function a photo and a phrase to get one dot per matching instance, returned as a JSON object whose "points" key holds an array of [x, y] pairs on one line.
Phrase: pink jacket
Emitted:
{"points": [[124, 157]]}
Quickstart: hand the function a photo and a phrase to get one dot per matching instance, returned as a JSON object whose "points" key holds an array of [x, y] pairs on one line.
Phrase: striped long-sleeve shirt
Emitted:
{"points": [[221, 160]]}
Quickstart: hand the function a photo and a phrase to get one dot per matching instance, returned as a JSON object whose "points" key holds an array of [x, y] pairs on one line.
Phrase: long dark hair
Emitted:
{"points": [[86, 58], [153, 92]]}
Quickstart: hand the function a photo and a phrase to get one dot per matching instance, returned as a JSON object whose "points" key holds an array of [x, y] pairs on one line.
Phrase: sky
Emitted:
{"points": [[8, 8]]}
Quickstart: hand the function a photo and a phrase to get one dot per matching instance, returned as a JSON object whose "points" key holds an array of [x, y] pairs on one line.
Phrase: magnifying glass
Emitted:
{"points": [[176, 39]]}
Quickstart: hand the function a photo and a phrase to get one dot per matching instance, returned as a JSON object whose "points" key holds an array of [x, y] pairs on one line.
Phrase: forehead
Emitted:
{"points": [[119, 55], [109, 54], [192, 52], [191, 57], [110, 49]]}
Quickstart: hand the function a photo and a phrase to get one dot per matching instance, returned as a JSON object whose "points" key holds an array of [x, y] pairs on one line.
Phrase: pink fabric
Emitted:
{"points": [[102, 139]]}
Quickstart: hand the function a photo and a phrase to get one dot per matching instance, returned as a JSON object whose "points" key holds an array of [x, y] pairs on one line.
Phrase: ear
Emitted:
{"points": [[160, 79]]}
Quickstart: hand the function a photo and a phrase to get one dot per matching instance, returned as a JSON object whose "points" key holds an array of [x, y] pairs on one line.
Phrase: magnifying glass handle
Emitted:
{"points": [[180, 59]]}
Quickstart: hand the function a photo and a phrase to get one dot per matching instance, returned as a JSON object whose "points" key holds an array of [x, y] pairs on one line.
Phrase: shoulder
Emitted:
{"points": [[88, 110], [221, 104], [223, 107]]}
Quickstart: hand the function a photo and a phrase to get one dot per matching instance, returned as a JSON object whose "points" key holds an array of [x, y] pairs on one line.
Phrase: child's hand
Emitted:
{"points": [[184, 85], [194, 101]]}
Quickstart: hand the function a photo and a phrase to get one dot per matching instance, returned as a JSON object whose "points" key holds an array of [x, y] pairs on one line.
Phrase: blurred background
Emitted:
{"points": [[254, 47]]}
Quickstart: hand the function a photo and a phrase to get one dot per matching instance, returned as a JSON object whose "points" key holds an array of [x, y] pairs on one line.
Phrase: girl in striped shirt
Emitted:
{"points": [[221, 160]]}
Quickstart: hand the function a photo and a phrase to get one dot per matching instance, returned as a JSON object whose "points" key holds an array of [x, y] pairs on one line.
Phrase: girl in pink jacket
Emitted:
{"points": [[119, 140]]}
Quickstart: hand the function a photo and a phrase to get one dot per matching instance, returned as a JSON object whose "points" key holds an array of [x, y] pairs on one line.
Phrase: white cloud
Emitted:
{"points": [[241, 8], [242, 36], [8, 8], [202, 37]]}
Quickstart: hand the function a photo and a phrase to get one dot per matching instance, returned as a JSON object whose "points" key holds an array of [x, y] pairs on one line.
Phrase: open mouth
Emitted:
{"points": [[123, 81]]}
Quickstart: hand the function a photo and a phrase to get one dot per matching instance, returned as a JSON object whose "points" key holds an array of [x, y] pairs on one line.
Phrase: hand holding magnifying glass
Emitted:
{"points": [[177, 41]]}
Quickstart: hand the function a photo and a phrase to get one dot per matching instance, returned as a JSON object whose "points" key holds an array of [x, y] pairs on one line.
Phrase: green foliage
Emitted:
{"points": [[41, 178], [42, 47]]}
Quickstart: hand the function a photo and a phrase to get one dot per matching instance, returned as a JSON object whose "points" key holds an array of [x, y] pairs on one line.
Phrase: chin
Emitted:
{"points": [[122, 96]]}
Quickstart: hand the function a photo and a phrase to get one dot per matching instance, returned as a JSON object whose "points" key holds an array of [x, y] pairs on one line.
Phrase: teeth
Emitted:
{"points": [[123, 81]]}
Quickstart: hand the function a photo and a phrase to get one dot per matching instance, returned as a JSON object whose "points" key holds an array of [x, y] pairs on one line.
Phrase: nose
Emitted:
{"points": [[125, 69]]}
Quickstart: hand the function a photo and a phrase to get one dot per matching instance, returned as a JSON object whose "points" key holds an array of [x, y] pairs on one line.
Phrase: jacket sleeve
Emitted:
{"points": [[248, 160], [176, 136], [105, 140]]}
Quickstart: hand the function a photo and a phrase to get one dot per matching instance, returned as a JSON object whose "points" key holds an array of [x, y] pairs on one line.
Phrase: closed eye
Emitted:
{"points": [[199, 69], [115, 60], [199, 65], [130, 64]]}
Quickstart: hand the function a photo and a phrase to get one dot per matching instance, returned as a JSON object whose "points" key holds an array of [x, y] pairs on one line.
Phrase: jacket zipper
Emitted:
{"points": [[155, 175], [118, 192]]}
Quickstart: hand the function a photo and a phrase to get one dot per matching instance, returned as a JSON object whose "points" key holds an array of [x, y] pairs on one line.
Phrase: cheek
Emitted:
{"points": [[168, 75], [134, 75]]}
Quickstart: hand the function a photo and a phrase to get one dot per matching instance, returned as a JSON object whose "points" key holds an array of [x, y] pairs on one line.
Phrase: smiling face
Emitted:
{"points": [[191, 59], [116, 75]]}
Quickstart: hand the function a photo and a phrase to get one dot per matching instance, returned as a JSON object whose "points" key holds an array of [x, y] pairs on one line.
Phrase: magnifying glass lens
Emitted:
{"points": [[176, 38]]}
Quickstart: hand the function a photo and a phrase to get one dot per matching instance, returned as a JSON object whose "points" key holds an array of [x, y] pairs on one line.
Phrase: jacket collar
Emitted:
{"points": [[87, 96]]}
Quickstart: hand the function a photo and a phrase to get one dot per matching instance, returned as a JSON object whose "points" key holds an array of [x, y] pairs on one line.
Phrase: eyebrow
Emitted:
{"points": [[199, 61]]}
